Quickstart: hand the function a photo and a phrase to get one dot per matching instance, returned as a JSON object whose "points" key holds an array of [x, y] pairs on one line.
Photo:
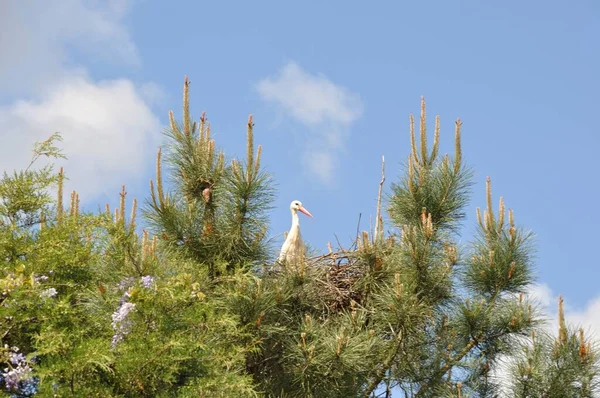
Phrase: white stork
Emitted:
{"points": [[293, 248]]}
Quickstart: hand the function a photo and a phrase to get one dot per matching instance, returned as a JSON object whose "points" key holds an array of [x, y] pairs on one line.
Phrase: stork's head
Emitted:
{"points": [[297, 206]]}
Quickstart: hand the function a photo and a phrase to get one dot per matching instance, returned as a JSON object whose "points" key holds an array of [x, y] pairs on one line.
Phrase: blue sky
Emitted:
{"points": [[330, 85]]}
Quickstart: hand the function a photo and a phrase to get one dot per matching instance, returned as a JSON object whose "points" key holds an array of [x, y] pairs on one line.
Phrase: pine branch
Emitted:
{"points": [[386, 364], [447, 366]]}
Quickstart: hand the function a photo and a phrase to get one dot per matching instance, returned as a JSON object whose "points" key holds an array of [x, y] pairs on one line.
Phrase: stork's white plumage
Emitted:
{"points": [[293, 248]]}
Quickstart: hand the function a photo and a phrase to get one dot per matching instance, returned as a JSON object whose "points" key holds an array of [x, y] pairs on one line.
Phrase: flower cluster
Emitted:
{"points": [[17, 357], [48, 293], [121, 322], [17, 376], [147, 281]]}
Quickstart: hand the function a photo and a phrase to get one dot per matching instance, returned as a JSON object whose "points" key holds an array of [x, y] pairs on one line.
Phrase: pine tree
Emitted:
{"points": [[216, 211], [190, 306], [410, 312]]}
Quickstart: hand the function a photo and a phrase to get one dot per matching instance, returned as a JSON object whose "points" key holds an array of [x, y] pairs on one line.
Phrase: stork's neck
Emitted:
{"points": [[295, 219]]}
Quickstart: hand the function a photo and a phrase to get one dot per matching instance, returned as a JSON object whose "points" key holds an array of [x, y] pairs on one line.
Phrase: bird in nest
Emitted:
{"points": [[293, 248]]}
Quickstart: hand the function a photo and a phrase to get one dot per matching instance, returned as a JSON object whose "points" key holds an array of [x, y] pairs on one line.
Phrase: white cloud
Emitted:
{"points": [[108, 127], [153, 93], [321, 162], [327, 109], [36, 36], [542, 294], [108, 131], [311, 99], [587, 317]]}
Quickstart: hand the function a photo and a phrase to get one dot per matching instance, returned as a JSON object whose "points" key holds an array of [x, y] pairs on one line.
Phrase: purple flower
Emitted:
{"points": [[121, 323], [147, 281], [124, 298], [48, 293], [13, 376], [125, 283], [16, 358], [41, 278], [120, 315], [11, 379]]}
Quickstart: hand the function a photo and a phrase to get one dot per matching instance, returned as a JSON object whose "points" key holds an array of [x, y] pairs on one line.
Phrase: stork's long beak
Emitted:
{"points": [[303, 210]]}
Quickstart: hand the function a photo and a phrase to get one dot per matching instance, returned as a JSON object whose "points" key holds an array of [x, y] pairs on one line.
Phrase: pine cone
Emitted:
{"points": [[207, 194]]}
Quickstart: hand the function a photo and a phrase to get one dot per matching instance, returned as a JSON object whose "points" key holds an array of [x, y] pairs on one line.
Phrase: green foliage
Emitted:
{"points": [[92, 307], [101, 311], [565, 366], [216, 210], [439, 186]]}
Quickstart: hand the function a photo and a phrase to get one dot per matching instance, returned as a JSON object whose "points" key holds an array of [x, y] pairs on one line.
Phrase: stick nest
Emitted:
{"points": [[339, 282]]}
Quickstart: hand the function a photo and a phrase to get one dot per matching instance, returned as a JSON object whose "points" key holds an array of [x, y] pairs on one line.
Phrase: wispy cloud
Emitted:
{"points": [[108, 126], [325, 108], [587, 317]]}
